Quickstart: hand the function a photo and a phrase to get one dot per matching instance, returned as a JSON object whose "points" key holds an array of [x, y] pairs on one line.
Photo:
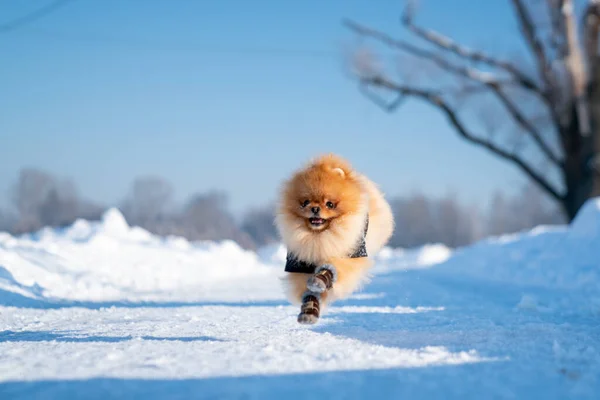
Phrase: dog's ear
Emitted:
{"points": [[340, 172]]}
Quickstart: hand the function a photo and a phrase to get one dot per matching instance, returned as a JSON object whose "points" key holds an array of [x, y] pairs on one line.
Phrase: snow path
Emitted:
{"points": [[188, 342], [362, 347], [102, 312]]}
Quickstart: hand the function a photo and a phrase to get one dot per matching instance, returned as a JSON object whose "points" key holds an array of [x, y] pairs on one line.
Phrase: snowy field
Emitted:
{"points": [[104, 310]]}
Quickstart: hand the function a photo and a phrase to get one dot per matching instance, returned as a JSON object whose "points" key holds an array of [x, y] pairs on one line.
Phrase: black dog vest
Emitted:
{"points": [[293, 264]]}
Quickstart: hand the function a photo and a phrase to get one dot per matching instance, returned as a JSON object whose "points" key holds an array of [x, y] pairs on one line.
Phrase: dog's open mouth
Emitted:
{"points": [[316, 221]]}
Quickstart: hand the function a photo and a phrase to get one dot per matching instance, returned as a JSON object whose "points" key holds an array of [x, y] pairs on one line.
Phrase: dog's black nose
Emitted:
{"points": [[315, 210]]}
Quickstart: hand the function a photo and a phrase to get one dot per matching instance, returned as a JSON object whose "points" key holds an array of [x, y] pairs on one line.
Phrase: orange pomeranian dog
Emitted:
{"points": [[332, 220]]}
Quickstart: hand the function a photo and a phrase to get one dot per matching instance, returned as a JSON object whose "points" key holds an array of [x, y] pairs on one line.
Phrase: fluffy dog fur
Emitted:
{"points": [[345, 199]]}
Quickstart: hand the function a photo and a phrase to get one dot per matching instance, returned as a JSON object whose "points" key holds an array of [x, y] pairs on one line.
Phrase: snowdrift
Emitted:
{"points": [[111, 261], [553, 268]]}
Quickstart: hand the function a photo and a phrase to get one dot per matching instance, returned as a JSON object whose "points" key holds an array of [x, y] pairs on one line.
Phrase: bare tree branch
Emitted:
{"points": [[591, 33], [558, 39], [546, 65], [529, 32], [591, 24], [573, 61], [527, 125], [576, 67], [488, 80], [436, 100], [448, 44], [377, 100], [471, 73]]}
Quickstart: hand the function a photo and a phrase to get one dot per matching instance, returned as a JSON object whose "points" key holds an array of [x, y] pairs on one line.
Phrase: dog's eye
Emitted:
{"points": [[305, 203], [329, 204]]}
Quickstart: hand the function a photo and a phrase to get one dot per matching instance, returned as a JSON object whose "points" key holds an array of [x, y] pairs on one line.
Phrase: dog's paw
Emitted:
{"points": [[316, 285], [310, 309], [323, 279], [307, 319]]}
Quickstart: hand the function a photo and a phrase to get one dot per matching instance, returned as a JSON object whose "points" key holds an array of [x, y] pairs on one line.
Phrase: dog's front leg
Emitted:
{"points": [[323, 278], [310, 310], [315, 296], [340, 276]]}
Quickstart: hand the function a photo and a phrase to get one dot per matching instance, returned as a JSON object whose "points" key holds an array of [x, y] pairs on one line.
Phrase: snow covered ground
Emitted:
{"points": [[104, 310]]}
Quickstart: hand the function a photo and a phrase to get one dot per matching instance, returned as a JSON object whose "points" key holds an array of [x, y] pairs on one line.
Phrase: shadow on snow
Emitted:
{"points": [[43, 336], [466, 381]]}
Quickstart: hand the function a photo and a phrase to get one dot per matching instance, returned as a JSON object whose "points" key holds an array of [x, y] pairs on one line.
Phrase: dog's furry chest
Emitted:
{"points": [[294, 264]]}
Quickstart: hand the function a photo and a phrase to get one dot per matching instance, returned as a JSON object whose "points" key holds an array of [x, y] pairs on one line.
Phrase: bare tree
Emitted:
{"points": [[500, 219], [532, 209], [147, 201], [453, 224], [259, 224], [60, 207], [206, 217], [28, 195], [41, 199], [414, 220], [554, 110], [526, 209], [421, 219]]}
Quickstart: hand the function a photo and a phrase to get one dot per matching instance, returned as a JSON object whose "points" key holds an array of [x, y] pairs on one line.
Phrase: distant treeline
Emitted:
{"points": [[39, 199]]}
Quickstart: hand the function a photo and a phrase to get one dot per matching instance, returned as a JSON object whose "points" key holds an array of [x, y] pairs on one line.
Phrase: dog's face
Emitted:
{"points": [[318, 210], [319, 198]]}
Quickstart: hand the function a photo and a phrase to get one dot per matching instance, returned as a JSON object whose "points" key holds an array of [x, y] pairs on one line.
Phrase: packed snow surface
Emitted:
{"points": [[105, 310]]}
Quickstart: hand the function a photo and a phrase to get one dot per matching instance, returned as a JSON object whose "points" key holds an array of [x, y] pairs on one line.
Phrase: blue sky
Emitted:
{"points": [[229, 95]]}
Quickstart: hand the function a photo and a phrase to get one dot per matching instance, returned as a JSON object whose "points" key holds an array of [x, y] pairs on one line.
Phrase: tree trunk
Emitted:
{"points": [[593, 143], [579, 184], [582, 167]]}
